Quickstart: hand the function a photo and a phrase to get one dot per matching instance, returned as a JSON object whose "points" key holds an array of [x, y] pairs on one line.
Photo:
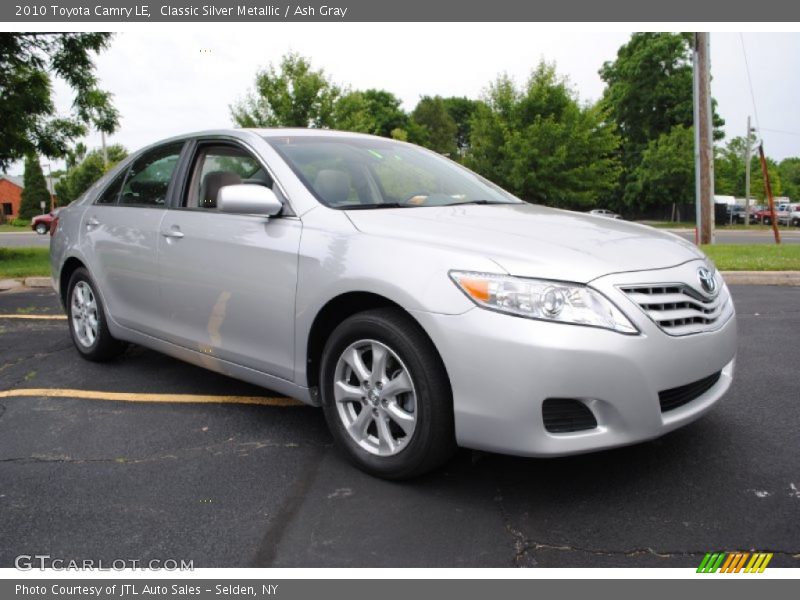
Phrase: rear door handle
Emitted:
{"points": [[172, 233], [92, 222]]}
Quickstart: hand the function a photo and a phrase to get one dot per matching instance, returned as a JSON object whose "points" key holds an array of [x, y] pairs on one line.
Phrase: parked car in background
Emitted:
{"points": [[765, 216], [736, 215], [604, 212], [421, 306], [791, 216], [41, 223]]}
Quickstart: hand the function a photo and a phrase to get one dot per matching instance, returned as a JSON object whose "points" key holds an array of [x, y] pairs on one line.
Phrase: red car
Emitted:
{"points": [[765, 216], [41, 223]]}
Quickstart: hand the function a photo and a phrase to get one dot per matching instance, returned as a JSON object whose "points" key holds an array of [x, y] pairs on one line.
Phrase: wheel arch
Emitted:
{"points": [[71, 265], [335, 311]]}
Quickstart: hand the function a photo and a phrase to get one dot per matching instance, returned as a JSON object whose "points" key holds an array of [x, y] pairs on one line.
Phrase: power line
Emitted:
{"points": [[782, 131], [749, 80]]}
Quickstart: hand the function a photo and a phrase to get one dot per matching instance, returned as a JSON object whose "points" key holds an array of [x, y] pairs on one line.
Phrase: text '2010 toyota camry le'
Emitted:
{"points": [[421, 306]]}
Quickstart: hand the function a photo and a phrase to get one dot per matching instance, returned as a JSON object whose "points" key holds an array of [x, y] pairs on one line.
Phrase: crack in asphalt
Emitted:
{"points": [[525, 547], [239, 449], [521, 557], [532, 545], [34, 356]]}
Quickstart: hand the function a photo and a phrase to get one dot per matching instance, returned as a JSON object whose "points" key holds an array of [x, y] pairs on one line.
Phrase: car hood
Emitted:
{"points": [[533, 241]]}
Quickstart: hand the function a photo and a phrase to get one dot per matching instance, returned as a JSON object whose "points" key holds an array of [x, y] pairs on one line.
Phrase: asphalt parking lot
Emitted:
{"points": [[232, 485]]}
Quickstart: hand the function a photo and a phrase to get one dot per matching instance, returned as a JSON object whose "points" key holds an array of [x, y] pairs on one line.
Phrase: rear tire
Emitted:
{"points": [[87, 320], [41, 228], [394, 413]]}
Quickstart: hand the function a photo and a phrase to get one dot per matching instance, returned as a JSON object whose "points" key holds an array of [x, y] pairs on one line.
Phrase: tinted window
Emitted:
{"points": [[111, 193], [149, 177], [218, 166]]}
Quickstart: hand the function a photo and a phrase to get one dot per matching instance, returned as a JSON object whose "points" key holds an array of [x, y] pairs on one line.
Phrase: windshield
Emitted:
{"points": [[358, 173]]}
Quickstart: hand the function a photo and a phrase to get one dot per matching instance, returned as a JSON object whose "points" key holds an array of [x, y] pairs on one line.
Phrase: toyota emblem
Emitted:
{"points": [[707, 281]]}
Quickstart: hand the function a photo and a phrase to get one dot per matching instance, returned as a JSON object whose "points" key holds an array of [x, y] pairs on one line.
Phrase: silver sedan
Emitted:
{"points": [[421, 306]]}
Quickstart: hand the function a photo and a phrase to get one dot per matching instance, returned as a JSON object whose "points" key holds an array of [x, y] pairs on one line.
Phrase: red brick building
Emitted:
{"points": [[10, 196]]}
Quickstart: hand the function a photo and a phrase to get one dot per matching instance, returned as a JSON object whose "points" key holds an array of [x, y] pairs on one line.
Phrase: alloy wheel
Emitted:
{"points": [[375, 397], [83, 312]]}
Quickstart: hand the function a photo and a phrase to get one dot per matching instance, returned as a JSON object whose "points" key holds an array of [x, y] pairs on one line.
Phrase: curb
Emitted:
{"points": [[26, 283], [761, 277]]}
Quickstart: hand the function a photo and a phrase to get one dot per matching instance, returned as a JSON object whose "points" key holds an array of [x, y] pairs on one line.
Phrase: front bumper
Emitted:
{"points": [[502, 368]]}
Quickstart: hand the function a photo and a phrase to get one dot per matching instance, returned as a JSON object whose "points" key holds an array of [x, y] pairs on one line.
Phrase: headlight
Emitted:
{"points": [[555, 301]]}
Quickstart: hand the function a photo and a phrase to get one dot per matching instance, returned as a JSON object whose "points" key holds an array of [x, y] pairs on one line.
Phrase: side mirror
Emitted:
{"points": [[248, 199]]}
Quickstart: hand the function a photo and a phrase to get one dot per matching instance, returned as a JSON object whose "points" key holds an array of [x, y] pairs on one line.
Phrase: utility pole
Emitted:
{"points": [[747, 150], [105, 151], [748, 155], [703, 131]]}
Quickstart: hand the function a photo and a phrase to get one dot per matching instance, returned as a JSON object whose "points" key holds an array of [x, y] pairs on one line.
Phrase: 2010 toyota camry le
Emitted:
{"points": [[421, 306]]}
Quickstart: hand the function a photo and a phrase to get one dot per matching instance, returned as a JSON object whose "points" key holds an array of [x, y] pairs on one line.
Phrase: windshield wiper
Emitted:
{"points": [[478, 202], [376, 205]]}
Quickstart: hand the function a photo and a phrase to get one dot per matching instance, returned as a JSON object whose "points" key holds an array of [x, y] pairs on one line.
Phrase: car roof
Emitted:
{"points": [[266, 132]]}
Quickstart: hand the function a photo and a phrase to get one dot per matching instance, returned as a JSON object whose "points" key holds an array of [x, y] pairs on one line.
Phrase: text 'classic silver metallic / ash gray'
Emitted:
{"points": [[420, 305]]}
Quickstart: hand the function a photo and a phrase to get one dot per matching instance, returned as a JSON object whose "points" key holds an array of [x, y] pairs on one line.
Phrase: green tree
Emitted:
{"points": [[542, 144], [83, 175], [665, 174], [293, 95], [789, 171], [376, 112], [461, 110], [649, 91], [729, 172], [757, 188], [35, 191], [435, 128], [30, 125]]}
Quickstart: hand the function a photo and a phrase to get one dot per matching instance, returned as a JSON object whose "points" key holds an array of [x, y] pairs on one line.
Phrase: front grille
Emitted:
{"points": [[677, 397], [564, 415], [679, 309]]}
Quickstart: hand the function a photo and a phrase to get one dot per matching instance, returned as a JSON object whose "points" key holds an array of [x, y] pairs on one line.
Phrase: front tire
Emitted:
{"points": [[87, 320], [386, 395], [41, 228]]}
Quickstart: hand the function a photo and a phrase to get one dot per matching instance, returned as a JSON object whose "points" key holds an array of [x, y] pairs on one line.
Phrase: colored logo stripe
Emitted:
{"points": [[733, 562]]}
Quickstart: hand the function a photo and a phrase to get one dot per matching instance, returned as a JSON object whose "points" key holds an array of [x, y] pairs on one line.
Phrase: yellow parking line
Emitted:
{"points": [[43, 317], [161, 398]]}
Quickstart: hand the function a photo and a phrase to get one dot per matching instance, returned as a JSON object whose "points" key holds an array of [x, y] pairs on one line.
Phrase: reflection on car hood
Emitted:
{"points": [[533, 241]]}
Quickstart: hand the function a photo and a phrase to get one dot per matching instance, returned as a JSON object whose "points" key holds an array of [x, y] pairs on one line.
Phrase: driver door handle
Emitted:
{"points": [[172, 233]]}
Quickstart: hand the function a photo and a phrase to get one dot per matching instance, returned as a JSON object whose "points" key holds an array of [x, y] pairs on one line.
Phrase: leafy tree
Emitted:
{"points": [[82, 176], [542, 144], [435, 128], [30, 124], [35, 191], [376, 112], [789, 170], [293, 95], [649, 91], [461, 110], [666, 171], [729, 172], [757, 188]]}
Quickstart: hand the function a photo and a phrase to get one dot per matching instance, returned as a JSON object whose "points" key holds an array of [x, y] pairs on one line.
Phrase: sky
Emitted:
{"points": [[169, 79]]}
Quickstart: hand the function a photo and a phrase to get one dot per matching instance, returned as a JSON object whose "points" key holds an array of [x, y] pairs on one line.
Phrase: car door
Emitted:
{"points": [[121, 234], [228, 280]]}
